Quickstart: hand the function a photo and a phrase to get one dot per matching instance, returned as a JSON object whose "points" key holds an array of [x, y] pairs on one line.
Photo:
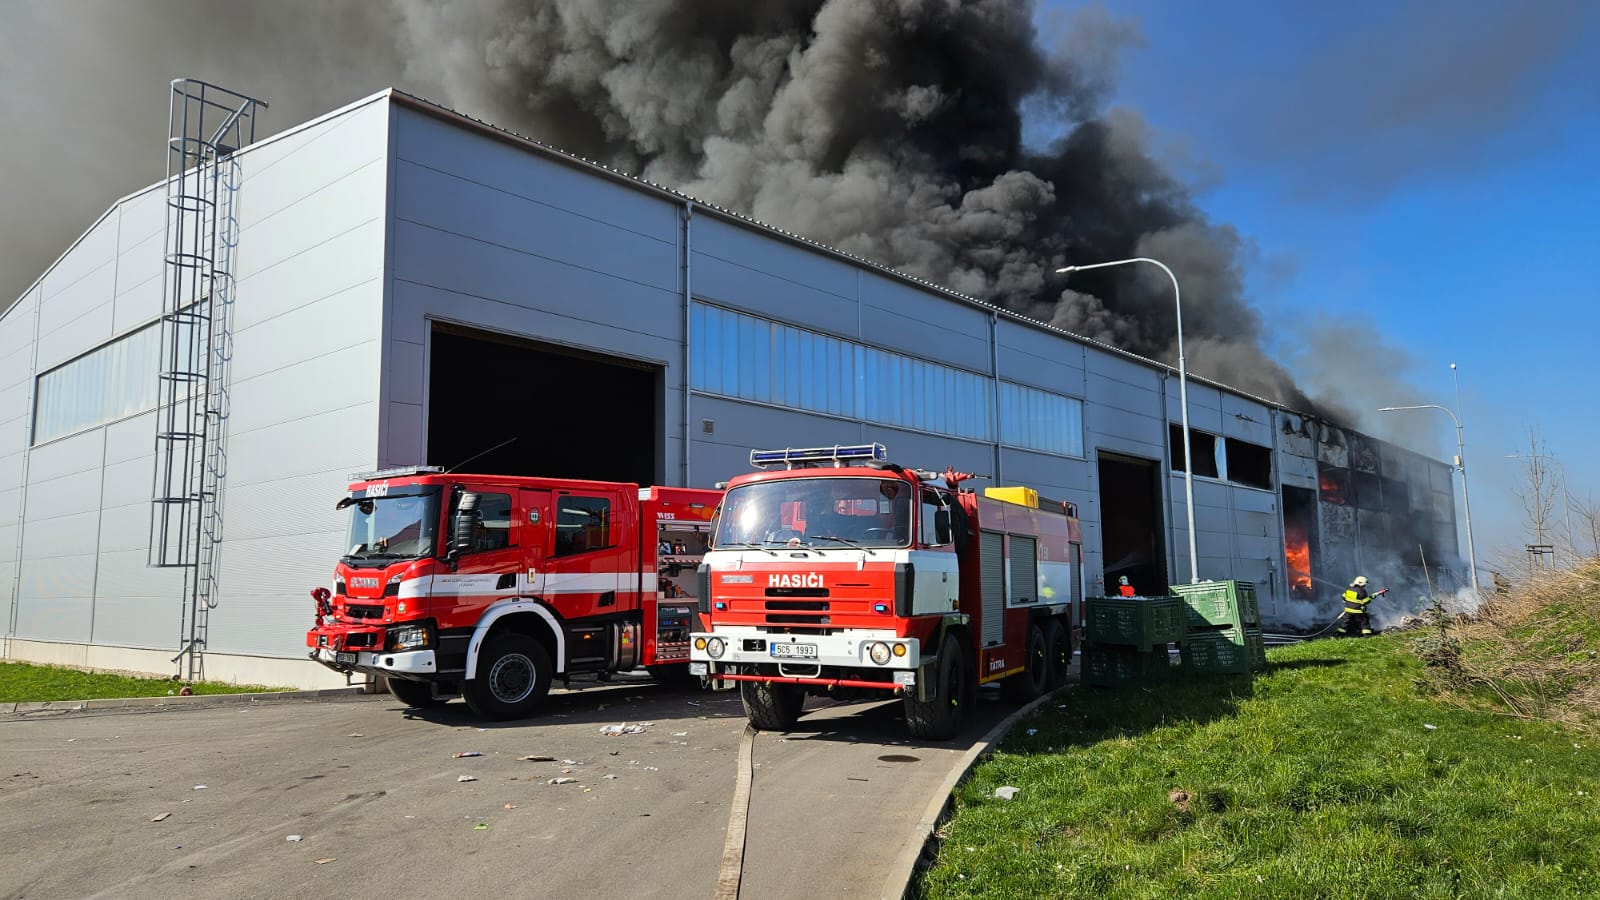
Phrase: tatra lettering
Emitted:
{"points": [[808, 580]]}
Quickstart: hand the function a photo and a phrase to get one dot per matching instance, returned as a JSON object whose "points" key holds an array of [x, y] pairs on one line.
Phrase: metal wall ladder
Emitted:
{"points": [[206, 125]]}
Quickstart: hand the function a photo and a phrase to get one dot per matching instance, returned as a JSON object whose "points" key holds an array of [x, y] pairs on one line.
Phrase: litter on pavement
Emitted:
{"points": [[466, 753], [625, 728], [161, 817], [464, 778]]}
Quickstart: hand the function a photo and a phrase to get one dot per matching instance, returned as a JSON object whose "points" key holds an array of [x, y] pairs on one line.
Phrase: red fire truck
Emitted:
{"points": [[838, 572], [491, 586]]}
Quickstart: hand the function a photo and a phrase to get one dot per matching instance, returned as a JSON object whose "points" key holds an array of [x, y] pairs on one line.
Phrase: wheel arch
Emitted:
{"points": [[522, 616]]}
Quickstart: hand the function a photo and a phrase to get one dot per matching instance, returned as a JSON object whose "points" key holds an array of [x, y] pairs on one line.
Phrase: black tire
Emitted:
{"points": [[1034, 679], [513, 677], [1058, 647], [943, 716], [414, 693], [772, 707]]}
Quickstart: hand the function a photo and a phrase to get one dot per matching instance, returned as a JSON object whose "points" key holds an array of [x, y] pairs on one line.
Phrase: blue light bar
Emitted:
{"points": [[838, 455]]}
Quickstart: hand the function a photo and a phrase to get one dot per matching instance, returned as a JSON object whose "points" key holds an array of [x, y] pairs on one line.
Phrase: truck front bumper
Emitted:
{"points": [[834, 659], [409, 662]]}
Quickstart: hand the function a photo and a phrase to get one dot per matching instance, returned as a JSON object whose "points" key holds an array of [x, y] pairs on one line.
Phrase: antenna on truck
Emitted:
{"points": [[474, 456]]}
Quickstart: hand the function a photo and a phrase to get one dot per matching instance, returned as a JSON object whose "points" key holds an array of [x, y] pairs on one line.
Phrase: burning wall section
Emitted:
{"points": [[1356, 506]]}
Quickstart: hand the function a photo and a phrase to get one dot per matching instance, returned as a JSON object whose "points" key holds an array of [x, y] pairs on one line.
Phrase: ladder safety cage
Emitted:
{"points": [[206, 125]]}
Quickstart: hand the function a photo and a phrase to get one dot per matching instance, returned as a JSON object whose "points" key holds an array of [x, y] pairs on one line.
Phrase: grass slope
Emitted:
{"points": [[1319, 779], [29, 683]]}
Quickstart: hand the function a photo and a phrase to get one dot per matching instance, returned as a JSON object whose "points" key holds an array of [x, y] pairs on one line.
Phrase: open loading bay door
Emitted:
{"points": [[568, 414], [1131, 533]]}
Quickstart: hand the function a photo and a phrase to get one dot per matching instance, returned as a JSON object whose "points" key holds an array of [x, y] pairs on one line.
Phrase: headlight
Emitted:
{"points": [[408, 637], [715, 648], [879, 651]]}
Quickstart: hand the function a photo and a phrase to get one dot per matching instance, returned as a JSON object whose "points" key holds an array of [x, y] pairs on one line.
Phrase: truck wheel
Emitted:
{"points": [[414, 693], [771, 707], [1058, 646], [1034, 679], [513, 677], [944, 715]]}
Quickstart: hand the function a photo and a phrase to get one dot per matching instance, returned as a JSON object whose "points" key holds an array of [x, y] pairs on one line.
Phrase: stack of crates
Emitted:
{"points": [[1224, 628], [1126, 639]]}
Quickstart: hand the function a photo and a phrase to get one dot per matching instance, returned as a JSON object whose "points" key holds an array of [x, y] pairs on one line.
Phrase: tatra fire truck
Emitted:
{"points": [[834, 571], [491, 586]]}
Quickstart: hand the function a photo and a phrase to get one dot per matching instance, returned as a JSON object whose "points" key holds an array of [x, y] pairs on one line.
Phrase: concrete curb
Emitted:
{"points": [[195, 701], [898, 884]]}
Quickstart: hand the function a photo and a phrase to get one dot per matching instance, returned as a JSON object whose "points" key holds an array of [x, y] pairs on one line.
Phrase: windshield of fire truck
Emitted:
{"points": [[396, 526], [816, 512]]}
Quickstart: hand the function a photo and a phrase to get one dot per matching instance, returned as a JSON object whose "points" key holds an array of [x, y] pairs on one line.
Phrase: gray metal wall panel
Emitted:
{"points": [[338, 439], [72, 534], [1044, 360], [141, 234], [307, 387], [345, 267], [16, 326], [45, 611], [403, 424], [1205, 406], [266, 611], [427, 141], [330, 212], [285, 507], [775, 279], [63, 496], [915, 322], [404, 361], [123, 575], [1056, 477], [16, 368], [1246, 420], [126, 526], [503, 289], [145, 623], [10, 510], [646, 252], [131, 438], [68, 456], [86, 332]]}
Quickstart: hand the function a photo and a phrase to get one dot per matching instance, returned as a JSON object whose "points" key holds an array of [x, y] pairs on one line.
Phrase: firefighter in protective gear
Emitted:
{"points": [[1124, 588], [1356, 598]]}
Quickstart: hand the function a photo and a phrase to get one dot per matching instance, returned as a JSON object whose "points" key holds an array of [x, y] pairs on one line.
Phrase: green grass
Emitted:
{"points": [[29, 683], [1319, 779]]}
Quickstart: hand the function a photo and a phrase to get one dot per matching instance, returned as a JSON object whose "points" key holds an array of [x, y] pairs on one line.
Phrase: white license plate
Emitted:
{"points": [[344, 659], [794, 651]]}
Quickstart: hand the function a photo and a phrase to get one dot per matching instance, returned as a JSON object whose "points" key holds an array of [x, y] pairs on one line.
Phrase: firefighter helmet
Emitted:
{"points": [[1361, 581], [1122, 580]]}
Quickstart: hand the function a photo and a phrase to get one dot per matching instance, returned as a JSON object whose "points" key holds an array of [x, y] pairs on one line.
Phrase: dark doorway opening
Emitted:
{"points": [[568, 414], [1299, 537], [1132, 538]]}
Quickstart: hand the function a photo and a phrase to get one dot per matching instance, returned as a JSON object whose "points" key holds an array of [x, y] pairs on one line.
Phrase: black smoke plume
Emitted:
{"points": [[891, 129]]}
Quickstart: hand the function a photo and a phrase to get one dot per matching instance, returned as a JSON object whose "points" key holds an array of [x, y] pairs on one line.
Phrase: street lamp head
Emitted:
{"points": [[1452, 366]]}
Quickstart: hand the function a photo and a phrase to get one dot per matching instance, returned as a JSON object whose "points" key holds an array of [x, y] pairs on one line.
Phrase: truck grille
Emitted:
{"points": [[354, 611], [799, 612]]}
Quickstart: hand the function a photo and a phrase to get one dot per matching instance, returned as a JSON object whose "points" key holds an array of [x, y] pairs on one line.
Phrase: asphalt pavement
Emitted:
{"points": [[363, 797]]}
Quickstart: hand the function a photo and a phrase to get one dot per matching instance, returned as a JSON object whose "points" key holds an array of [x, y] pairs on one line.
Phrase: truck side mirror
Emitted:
{"points": [[941, 525], [463, 525]]}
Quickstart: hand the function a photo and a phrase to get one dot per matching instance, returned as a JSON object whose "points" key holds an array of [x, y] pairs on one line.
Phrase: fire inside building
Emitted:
{"points": [[396, 283]]}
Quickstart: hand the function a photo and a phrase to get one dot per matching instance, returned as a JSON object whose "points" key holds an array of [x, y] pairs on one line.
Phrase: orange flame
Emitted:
{"points": [[1297, 552]]}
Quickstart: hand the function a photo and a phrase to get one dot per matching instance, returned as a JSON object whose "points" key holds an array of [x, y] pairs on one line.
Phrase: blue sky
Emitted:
{"points": [[1425, 173]]}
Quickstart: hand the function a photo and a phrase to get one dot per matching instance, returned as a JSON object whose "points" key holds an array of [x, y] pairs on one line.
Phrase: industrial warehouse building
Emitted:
{"points": [[398, 283]]}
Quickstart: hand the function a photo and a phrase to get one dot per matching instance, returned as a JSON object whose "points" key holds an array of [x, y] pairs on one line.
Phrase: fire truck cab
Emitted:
{"points": [[492, 586], [835, 571]]}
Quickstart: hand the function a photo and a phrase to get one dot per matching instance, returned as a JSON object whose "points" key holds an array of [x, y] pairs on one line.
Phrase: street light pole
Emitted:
{"points": [[1461, 463], [1183, 400]]}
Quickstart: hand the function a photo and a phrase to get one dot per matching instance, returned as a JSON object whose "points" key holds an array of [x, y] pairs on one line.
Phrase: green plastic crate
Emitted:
{"points": [[1224, 603], [1143, 622], [1224, 651], [1114, 665]]}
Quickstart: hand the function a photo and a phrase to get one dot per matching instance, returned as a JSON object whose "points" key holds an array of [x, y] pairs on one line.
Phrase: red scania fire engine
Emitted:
{"points": [[837, 571], [491, 586]]}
